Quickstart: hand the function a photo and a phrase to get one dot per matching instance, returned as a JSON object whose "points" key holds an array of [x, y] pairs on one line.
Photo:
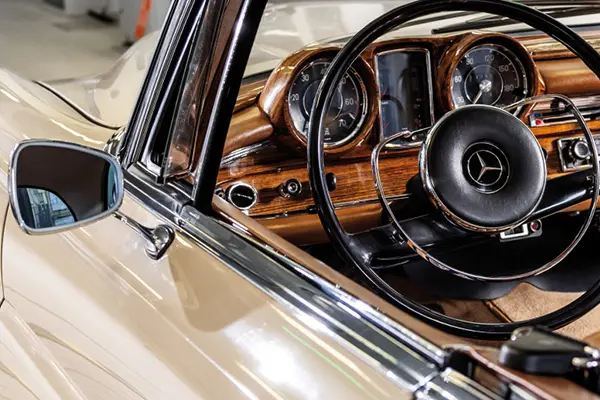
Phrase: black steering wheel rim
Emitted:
{"points": [[316, 158]]}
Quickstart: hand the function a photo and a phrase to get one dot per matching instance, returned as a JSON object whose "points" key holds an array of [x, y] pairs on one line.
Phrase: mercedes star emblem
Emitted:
{"points": [[486, 167]]}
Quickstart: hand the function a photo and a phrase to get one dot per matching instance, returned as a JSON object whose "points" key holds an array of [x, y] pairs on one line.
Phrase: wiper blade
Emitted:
{"points": [[555, 9]]}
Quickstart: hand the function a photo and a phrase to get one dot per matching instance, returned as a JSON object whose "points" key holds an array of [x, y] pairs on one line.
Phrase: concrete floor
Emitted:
{"points": [[38, 41]]}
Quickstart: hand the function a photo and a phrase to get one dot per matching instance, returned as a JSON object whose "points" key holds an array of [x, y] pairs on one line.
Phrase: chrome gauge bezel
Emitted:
{"points": [[510, 55], [356, 76]]}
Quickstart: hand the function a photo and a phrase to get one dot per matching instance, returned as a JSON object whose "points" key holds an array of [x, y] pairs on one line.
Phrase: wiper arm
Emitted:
{"points": [[553, 8]]}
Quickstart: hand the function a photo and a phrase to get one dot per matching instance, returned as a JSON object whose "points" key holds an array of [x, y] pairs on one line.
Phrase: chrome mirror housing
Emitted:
{"points": [[56, 186]]}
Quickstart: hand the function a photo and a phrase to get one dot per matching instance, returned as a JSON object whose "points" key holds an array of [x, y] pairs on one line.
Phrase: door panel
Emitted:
{"points": [[187, 326]]}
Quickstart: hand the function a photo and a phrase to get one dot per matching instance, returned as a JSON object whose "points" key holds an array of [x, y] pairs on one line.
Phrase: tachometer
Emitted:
{"points": [[346, 113], [489, 74]]}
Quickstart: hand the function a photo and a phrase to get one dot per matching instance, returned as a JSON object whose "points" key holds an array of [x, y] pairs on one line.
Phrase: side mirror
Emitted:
{"points": [[56, 186]]}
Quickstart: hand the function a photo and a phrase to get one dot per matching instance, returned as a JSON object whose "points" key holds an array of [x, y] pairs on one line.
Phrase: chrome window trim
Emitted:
{"points": [[141, 119], [347, 320]]}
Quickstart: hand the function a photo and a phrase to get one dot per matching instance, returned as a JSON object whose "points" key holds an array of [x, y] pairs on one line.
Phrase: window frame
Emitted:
{"points": [[204, 44]]}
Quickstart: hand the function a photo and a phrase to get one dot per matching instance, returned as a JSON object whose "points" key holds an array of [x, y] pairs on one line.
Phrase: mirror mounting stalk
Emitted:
{"points": [[158, 239]]}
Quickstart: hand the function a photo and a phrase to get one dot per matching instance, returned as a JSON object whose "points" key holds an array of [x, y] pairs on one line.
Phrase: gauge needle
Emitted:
{"points": [[484, 87]]}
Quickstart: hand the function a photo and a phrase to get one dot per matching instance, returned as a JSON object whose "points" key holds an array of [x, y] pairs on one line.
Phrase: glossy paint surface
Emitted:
{"points": [[110, 96], [89, 315]]}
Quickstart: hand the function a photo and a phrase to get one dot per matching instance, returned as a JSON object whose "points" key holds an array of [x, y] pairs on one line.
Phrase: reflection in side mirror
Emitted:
{"points": [[55, 186]]}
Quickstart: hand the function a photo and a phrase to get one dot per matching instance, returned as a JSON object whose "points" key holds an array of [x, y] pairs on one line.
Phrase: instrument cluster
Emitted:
{"points": [[348, 107], [405, 85], [489, 74]]}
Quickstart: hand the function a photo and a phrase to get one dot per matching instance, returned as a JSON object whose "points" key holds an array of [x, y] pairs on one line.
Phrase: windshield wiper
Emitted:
{"points": [[553, 8]]}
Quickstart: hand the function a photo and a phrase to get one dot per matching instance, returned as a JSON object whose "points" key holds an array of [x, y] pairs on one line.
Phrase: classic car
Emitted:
{"points": [[328, 199]]}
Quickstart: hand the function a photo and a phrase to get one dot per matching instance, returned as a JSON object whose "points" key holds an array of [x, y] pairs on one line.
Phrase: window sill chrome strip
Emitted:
{"points": [[453, 385]]}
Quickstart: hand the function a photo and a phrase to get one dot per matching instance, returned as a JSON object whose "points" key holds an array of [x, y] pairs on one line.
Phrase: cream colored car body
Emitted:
{"points": [[87, 315]]}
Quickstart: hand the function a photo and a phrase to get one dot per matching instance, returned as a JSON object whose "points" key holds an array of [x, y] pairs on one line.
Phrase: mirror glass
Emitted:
{"points": [[57, 186]]}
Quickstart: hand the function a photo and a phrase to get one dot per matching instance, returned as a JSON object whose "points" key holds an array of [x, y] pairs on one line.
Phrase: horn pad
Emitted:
{"points": [[484, 168]]}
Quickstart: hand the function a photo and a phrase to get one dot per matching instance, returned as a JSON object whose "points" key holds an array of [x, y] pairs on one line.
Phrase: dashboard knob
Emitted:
{"points": [[290, 188], [331, 181], [579, 150]]}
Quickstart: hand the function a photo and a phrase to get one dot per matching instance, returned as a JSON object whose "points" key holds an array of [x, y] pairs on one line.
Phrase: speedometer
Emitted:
{"points": [[346, 113], [489, 74]]}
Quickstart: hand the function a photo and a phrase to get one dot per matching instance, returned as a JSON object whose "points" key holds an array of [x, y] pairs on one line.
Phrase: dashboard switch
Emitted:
{"points": [[574, 153], [290, 188]]}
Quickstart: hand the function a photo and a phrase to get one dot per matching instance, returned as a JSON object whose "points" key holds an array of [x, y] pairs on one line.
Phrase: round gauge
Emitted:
{"points": [[489, 74], [348, 107]]}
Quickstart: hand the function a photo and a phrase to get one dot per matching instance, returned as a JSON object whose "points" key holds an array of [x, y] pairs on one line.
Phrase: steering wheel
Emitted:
{"points": [[467, 203]]}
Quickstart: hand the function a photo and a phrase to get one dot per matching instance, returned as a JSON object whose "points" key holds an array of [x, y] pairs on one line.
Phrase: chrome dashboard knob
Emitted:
{"points": [[579, 150]]}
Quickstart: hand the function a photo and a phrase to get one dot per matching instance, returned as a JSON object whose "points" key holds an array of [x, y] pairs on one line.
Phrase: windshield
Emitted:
{"points": [[288, 26]]}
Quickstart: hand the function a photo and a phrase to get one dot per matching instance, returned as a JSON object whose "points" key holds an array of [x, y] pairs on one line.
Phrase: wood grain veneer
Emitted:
{"points": [[247, 127], [354, 177], [248, 95], [544, 48], [288, 217], [261, 117], [568, 76], [354, 183]]}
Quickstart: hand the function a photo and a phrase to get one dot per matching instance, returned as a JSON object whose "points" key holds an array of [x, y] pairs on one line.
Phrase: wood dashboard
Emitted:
{"points": [[265, 150]]}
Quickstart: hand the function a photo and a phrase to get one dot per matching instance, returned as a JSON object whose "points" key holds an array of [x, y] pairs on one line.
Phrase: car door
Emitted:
{"points": [[92, 315]]}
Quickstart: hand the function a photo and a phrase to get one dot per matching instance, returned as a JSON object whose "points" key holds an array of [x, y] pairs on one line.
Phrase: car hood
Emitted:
{"points": [[111, 95], [284, 28]]}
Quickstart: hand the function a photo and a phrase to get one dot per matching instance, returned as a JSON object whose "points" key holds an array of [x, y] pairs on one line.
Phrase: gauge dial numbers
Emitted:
{"points": [[347, 112], [488, 74]]}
